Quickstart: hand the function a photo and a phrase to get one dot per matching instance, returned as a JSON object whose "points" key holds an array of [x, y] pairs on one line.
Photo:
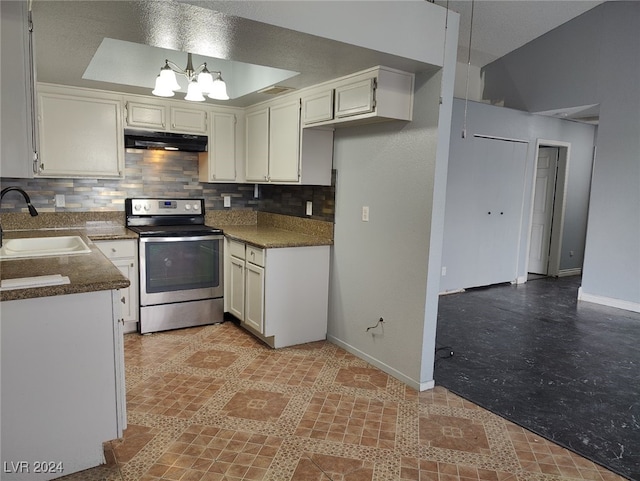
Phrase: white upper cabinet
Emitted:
{"points": [[164, 116], [356, 98], [284, 142], [317, 107], [279, 151], [188, 120], [257, 145], [80, 133], [373, 95], [17, 149], [148, 116], [219, 163]]}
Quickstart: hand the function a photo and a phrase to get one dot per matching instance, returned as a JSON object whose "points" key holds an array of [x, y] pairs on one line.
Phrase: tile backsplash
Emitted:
{"points": [[150, 173]]}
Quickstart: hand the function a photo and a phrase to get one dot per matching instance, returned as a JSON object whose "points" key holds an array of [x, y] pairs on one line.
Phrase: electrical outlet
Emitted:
{"points": [[571, 253], [365, 213], [444, 271], [60, 202], [309, 207], [227, 200]]}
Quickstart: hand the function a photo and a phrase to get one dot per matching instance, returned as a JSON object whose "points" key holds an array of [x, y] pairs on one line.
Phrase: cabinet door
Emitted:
{"points": [[146, 115], [355, 98], [80, 136], [124, 255], [254, 297], [318, 107], [128, 296], [222, 148], [17, 148], [257, 145], [236, 290], [188, 120], [284, 142]]}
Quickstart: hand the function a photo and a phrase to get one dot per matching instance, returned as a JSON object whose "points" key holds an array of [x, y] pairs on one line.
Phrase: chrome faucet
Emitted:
{"points": [[32, 209]]}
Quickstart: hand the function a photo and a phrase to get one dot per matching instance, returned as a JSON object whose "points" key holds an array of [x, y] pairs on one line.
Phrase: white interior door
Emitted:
{"points": [[545, 186], [487, 198]]}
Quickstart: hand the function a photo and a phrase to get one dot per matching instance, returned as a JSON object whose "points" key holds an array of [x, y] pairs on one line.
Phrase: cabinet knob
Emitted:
{"points": [[123, 300], [113, 249]]}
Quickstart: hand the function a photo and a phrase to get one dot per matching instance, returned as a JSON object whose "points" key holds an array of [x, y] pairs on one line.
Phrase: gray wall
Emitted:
{"points": [[592, 60], [389, 267], [379, 267], [483, 119]]}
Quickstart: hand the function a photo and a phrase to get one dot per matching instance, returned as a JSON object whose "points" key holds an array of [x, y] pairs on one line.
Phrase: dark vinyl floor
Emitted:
{"points": [[566, 370]]}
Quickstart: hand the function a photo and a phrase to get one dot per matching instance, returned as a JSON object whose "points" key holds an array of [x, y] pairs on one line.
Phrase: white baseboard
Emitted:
{"points": [[453, 291], [570, 272], [419, 386], [608, 301]]}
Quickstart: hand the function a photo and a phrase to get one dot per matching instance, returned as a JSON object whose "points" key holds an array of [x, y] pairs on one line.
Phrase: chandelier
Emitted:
{"points": [[201, 81]]}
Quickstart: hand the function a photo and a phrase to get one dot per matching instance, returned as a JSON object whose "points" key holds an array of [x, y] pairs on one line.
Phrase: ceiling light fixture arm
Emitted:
{"points": [[189, 71]]}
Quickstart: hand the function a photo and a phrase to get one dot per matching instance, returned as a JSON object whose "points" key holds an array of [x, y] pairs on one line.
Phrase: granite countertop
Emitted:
{"points": [[86, 272], [267, 237]]}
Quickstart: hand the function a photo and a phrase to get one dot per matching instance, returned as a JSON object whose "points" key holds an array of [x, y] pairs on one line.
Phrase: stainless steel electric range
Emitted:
{"points": [[181, 264]]}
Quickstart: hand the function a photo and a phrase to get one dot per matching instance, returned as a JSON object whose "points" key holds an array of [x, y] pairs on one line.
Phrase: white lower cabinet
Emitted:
{"points": [[254, 297], [63, 387], [235, 292], [279, 294], [124, 255]]}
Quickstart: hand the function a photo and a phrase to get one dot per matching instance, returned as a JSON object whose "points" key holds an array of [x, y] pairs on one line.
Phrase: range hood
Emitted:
{"points": [[146, 139]]}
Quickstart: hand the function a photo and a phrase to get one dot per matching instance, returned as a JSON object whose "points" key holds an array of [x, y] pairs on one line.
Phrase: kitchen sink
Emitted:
{"points": [[42, 246]]}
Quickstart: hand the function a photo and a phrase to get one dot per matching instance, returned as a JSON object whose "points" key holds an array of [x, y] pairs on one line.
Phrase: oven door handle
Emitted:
{"points": [[182, 238]]}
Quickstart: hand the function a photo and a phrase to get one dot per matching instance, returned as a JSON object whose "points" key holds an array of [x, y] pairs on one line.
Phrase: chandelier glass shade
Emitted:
{"points": [[201, 81]]}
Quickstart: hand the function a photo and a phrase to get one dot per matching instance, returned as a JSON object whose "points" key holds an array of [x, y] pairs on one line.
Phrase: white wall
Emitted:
{"points": [[397, 27], [483, 119]]}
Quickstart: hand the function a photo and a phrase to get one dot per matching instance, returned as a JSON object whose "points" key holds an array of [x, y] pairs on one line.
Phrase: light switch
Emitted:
{"points": [[60, 202], [227, 200], [309, 207]]}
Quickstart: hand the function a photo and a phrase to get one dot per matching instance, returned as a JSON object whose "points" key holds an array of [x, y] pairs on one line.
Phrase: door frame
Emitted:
{"points": [[559, 203]]}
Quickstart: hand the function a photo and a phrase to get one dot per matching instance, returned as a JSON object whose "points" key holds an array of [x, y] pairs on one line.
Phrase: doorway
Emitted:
{"points": [[548, 207]]}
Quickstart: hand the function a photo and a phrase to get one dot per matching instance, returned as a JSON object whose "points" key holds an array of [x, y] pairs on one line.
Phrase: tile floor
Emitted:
{"points": [[214, 404]]}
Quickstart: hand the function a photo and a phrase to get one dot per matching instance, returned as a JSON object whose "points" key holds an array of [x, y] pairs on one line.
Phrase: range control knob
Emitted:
{"points": [[146, 207], [187, 207], [136, 207], [196, 206]]}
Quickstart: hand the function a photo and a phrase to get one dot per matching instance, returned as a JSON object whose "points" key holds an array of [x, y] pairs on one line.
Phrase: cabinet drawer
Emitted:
{"points": [[236, 249], [255, 255], [117, 249]]}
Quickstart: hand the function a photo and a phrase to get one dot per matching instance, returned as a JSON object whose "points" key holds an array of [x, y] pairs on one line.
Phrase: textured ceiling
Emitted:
{"points": [[68, 34], [501, 26]]}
